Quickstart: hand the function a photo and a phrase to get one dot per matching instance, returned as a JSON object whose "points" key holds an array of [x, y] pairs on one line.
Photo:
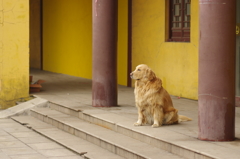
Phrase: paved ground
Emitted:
{"points": [[71, 91], [19, 142]]}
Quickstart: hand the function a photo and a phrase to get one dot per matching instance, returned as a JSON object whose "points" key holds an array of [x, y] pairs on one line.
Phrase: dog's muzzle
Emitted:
{"points": [[131, 75]]}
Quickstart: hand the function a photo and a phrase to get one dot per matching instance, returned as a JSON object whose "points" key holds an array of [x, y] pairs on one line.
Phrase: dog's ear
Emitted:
{"points": [[150, 74]]}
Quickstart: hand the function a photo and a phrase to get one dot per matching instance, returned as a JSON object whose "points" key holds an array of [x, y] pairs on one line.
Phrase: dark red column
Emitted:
{"points": [[104, 80], [217, 70]]}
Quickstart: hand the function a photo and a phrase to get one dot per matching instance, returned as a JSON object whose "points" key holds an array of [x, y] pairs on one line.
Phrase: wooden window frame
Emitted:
{"points": [[179, 30]]}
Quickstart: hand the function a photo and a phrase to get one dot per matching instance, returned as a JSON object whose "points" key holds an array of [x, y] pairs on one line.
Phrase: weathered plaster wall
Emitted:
{"points": [[14, 51], [176, 63], [67, 38]]}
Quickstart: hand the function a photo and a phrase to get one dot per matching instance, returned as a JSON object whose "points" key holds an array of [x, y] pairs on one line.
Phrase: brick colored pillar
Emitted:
{"points": [[104, 84], [217, 70]]}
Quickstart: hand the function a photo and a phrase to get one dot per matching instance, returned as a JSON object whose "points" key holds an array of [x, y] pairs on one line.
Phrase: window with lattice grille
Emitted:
{"points": [[179, 20]]}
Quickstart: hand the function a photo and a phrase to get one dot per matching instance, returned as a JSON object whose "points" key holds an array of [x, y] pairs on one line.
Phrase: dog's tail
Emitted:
{"points": [[182, 118]]}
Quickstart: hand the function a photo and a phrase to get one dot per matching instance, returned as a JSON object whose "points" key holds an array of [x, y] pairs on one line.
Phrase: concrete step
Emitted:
{"points": [[24, 107], [101, 136], [80, 146], [183, 145]]}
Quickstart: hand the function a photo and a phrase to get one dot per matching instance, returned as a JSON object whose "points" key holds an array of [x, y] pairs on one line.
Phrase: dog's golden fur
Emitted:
{"points": [[152, 100]]}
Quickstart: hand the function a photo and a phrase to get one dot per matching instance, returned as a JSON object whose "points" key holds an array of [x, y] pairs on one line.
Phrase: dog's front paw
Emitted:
{"points": [[155, 125], [137, 124]]}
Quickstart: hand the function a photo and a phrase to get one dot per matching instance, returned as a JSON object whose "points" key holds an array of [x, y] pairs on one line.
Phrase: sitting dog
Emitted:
{"points": [[152, 100]]}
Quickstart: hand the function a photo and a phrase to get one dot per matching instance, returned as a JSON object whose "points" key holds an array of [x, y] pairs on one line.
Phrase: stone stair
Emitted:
{"points": [[106, 133], [80, 146], [159, 138], [94, 133]]}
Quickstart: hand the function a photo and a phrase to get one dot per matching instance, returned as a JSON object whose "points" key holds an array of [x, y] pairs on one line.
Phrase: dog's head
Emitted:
{"points": [[143, 73]]}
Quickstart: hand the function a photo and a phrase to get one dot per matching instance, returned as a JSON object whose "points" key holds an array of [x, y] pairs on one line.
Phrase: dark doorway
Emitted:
{"points": [[35, 27]]}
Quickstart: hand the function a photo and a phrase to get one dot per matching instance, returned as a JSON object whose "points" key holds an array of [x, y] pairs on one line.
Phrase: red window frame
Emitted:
{"points": [[179, 20]]}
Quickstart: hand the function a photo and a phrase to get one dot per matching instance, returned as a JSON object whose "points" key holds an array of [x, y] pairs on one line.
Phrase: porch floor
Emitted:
{"points": [[72, 91]]}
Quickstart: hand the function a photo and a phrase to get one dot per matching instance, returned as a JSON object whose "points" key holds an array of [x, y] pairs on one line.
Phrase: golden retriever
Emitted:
{"points": [[152, 100]]}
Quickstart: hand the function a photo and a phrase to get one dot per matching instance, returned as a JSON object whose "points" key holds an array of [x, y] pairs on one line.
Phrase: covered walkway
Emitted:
{"points": [[73, 91]]}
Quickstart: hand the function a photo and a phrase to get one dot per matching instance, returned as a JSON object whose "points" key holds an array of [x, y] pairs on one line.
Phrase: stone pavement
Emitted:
{"points": [[19, 142], [72, 91], [75, 91]]}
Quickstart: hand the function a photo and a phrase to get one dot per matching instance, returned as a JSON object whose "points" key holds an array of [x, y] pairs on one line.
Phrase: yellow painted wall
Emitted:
{"points": [[122, 41], [176, 63], [67, 38], [14, 51]]}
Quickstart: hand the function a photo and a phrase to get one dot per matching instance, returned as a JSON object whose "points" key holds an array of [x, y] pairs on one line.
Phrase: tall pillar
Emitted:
{"points": [[104, 86], [217, 70]]}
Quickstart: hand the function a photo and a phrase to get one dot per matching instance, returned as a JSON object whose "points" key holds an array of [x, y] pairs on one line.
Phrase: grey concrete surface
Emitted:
{"points": [[23, 108], [113, 141], [19, 142], [74, 91]]}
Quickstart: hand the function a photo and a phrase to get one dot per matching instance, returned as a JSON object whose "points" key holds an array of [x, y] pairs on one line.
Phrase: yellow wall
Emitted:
{"points": [[67, 38], [122, 41], [176, 63], [14, 51]]}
